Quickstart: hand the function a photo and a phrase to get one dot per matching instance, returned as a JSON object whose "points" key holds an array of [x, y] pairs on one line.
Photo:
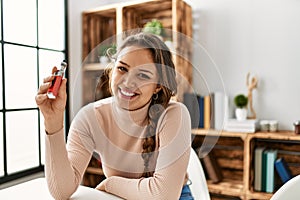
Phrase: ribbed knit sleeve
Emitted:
{"points": [[65, 163], [174, 135]]}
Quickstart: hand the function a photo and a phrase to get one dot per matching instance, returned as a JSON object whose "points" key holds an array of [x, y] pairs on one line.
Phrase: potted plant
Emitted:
{"points": [[241, 102], [155, 27]]}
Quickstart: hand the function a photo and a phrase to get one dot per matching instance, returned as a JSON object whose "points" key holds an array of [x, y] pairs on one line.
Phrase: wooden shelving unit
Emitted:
{"points": [[234, 153]]}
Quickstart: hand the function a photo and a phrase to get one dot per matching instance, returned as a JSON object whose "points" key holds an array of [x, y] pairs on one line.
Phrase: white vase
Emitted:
{"points": [[241, 113], [170, 45], [103, 59]]}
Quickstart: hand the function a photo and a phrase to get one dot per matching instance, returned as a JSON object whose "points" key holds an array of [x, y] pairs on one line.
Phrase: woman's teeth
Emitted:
{"points": [[126, 93]]}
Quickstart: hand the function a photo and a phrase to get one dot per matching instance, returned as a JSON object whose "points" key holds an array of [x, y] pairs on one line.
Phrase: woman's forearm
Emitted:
{"points": [[61, 179]]}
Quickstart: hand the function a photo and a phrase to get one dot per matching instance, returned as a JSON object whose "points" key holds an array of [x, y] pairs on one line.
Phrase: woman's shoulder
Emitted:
{"points": [[177, 106], [176, 109], [99, 105], [103, 103]]}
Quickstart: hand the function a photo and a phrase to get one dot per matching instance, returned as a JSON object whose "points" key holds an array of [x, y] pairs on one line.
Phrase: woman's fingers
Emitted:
{"points": [[44, 87], [48, 79], [40, 98], [63, 87], [54, 69]]}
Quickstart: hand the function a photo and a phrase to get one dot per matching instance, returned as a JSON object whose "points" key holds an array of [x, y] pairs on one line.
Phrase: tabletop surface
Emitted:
{"points": [[37, 189]]}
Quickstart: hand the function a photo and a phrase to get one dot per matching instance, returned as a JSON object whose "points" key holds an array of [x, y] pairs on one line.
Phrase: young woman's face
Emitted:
{"points": [[134, 78]]}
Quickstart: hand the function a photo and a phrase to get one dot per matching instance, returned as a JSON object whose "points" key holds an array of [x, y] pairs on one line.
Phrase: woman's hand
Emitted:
{"points": [[101, 186], [52, 109]]}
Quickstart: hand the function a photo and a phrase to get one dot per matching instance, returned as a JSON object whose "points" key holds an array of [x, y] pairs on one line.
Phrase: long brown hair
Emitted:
{"points": [[162, 58]]}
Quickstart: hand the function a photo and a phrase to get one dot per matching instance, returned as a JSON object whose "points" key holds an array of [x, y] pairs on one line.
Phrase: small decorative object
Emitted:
{"points": [[105, 51], [241, 102], [273, 125], [155, 27], [264, 125], [251, 86], [297, 127]]}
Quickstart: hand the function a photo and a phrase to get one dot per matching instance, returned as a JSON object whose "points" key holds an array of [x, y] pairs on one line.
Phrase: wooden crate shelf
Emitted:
{"points": [[94, 170], [233, 187], [240, 163]]}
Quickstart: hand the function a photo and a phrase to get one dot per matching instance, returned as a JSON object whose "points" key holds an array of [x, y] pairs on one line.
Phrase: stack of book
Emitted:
{"points": [[266, 168], [207, 111], [247, 126]]}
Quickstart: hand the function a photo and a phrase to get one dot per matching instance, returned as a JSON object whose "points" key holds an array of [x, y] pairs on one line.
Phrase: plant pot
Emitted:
{"points": [[169, 45], [103, 59], [241, 113]]}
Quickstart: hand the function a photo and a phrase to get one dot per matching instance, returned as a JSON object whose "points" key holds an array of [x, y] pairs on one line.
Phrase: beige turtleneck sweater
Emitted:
{"points": [[116, 135]]}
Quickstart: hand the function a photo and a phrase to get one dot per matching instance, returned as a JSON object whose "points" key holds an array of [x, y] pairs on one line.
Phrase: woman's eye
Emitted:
{"points": [[122, 69], [143, 76]]}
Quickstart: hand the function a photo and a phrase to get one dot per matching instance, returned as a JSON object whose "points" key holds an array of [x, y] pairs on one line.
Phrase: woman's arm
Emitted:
{"points": [[65, 164], [68, 162]]}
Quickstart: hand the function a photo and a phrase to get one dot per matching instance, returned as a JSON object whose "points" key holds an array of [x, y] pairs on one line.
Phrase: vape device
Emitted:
{"points": [[59, 74]]}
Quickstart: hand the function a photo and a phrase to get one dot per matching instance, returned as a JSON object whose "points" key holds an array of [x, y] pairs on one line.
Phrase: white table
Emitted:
{"points": [[37, 189]]}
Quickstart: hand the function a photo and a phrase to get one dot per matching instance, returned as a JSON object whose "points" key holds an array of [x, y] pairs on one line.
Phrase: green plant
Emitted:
{"points": [[154, 26], [240, 101], [107, 49]]}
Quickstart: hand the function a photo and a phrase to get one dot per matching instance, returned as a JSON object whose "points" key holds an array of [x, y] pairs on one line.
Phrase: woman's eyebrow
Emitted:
{"points": [[123, 63]]}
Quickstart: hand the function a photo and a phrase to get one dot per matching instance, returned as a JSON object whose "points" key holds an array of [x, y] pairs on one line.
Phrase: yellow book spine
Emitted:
{"points": [[207, 112]]}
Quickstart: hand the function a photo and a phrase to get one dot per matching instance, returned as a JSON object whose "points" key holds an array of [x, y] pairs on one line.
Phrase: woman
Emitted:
{"points": [[142, 137]]}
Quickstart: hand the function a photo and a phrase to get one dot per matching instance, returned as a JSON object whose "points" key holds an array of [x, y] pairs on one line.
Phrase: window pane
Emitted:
{"points": [[20, 76], [22, 140], [47, 60], [1, 145], [20, 24], [51, 24]]}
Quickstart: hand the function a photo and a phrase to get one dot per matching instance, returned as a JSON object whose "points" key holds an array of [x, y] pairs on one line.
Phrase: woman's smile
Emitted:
{"points": [[127, 94]]}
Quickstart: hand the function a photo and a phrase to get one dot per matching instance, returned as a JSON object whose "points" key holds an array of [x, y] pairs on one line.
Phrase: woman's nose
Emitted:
{"points": [[129, 80]]}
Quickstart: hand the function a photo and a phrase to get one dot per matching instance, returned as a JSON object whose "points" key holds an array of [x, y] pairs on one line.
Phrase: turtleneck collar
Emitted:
{"points": [[132, 122]]}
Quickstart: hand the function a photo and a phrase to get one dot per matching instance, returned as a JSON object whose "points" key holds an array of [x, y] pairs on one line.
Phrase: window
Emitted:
{"points": [[33, 40]]}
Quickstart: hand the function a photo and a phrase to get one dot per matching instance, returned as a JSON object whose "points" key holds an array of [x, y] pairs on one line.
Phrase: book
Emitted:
{"points": [[247, 126], [258, 153], [207, 112], [191, 102], [201, 111], [264, 171], [212, 110], [268, 173], [283, 170], [212, 168], [220, 110]]}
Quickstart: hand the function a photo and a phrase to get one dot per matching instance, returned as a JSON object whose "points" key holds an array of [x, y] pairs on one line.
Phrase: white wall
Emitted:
{"points": [[240, 36], [257, 36]]}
